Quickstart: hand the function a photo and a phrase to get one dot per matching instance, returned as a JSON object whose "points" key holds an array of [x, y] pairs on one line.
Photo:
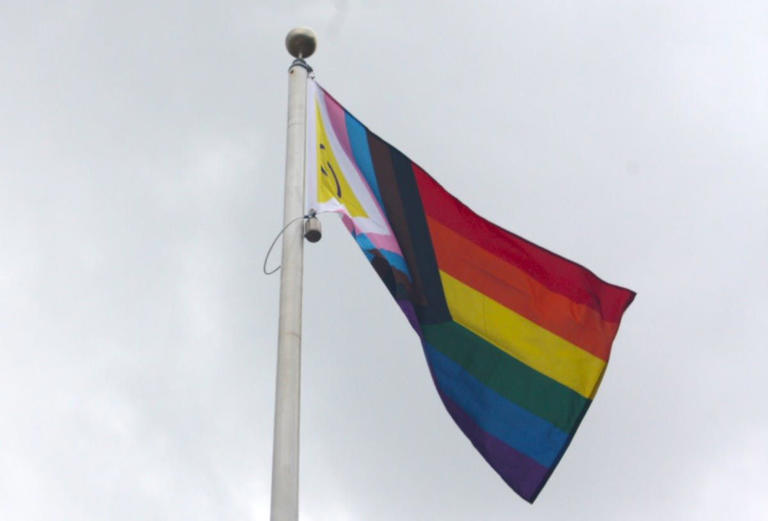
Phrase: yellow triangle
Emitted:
{"points": [[331, 183]]}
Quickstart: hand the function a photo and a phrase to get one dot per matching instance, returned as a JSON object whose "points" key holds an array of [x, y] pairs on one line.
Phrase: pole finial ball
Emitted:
{"points": [[301, 42]]}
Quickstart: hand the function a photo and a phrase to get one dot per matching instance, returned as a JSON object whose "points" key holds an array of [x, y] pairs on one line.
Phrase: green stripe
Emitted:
{"points": [[507, 376]]}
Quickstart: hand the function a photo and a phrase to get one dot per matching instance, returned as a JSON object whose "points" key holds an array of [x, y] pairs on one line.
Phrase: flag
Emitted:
{"points": [[516, 338]]}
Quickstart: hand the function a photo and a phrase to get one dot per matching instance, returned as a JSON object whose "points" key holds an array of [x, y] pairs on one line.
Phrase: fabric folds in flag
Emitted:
{"points": [[516, 338]]}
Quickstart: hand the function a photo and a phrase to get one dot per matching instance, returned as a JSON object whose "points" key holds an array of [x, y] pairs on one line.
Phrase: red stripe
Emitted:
{"points": [[512, 287], [551, 270]]}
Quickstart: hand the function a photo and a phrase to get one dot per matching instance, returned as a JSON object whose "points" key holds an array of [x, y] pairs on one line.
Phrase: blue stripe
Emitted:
{"points": [[515, 426], [394, 260], [358, 140]]}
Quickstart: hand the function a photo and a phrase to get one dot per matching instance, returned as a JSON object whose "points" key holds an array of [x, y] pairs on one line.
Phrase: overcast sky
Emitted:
{"points": [[141, 170]]}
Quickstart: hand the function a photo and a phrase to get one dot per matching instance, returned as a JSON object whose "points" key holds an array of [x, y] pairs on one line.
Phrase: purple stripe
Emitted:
{"points": [[524, 475], [410, 313]]}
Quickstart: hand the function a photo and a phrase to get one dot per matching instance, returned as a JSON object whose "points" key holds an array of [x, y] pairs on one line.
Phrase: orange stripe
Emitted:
{"points": [[466, 261]]}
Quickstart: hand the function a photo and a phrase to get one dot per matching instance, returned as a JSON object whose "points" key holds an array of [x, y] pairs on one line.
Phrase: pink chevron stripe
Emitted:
{"points": [[338, 123], [380, 240], [384, 242]]}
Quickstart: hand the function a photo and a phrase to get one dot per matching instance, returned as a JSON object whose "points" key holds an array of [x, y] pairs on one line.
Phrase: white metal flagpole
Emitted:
{"points": [[301, 44]]}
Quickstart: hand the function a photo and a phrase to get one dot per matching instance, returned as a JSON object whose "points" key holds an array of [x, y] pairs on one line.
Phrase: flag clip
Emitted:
{"points": [[313, 229]]}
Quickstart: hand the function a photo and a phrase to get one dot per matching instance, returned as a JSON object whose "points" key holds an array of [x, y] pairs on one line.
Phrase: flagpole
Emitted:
{"points": [[301, 43]]}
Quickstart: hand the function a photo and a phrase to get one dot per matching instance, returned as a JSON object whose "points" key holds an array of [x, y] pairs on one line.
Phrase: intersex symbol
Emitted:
{"points": [[330, 167]]}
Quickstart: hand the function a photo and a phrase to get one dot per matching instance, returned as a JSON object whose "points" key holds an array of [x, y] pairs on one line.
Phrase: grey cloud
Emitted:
{"points": [[141, 164]]}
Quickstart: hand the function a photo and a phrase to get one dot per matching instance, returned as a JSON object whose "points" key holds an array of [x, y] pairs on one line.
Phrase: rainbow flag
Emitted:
{"points": [[516, 337]]}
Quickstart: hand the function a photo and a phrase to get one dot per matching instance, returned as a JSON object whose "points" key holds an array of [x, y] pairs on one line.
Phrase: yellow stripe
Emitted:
{"points": [[533, 345], [331, 183]]}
